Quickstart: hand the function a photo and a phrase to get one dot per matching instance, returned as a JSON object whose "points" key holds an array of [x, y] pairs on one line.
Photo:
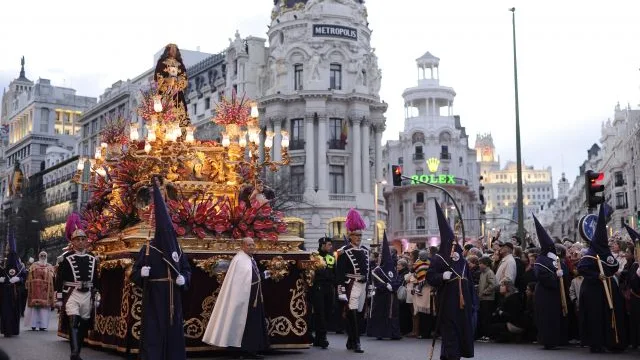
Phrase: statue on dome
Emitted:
{"points": [[171, 76]]}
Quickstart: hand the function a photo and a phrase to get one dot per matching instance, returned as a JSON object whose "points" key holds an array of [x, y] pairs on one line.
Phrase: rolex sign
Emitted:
{"points": [[338, 31]]}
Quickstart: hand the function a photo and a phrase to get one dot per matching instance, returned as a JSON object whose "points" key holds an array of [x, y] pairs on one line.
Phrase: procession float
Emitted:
{"points": [[215, 195]]}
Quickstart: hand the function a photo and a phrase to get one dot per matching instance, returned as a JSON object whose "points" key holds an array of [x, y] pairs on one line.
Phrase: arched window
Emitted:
{"points": [[420, 198], [417, 137], [420, 223]]}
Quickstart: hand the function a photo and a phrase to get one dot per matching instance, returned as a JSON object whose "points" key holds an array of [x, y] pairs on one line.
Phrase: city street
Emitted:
{"points": [[32, 345]]}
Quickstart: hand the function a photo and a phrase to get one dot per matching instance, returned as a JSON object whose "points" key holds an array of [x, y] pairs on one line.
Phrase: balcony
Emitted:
{"points": [[337, 144], [445, 156], [297, 198], [296, 144], [380, 202], [342, 197], [619, 182], [419, 206], [418, 156]]}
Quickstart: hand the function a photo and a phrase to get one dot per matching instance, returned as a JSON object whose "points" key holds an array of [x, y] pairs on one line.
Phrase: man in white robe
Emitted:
{"points": [[238, 320]]}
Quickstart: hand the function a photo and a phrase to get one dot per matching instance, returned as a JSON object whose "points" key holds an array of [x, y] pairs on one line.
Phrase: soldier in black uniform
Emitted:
{"points": [[351, 276], [77, 289], [323, 292]]}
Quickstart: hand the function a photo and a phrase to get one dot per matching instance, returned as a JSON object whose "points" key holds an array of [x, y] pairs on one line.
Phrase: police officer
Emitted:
{"points": [[323, 292]]}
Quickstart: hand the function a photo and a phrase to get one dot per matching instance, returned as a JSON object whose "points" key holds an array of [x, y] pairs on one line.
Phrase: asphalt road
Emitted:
{"points": [[37, 345]]}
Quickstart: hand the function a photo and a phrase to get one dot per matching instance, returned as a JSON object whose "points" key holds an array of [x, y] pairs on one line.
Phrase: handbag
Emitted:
{"points": [[402, 292]]}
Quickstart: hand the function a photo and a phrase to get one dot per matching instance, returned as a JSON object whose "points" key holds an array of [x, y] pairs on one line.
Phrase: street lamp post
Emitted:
{"points": [[520, 199], [375, 226]]}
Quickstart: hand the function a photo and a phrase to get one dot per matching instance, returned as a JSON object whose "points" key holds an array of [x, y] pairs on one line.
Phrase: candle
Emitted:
{"points": [[157, 103]]}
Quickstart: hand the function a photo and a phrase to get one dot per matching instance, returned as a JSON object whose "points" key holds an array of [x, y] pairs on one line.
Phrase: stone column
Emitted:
{"points": [[366, 177], [309, 148], [355, 157], [277, 139], [378, 146], [323, 172]]}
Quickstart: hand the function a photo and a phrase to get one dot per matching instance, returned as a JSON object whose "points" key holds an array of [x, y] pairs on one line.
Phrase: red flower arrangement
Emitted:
{"points": [[233, 111], [221, 218]]}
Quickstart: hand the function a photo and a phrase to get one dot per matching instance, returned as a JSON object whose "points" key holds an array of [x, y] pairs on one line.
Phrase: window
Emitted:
{"points": [[336, 178], [619, 179], [43, 149], [195, 108], [419, 171], [444, 153], [44, 120], [420, 198], [338, 138], [207, 103], [621, 200], [297, 179], [67, 117], [400, 160], [297, 77], [420, 223], [297, 134], [335, 76], [418, 155]]}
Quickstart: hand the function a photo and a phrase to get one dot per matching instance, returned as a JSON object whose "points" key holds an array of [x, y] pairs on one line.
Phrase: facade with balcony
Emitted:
{"points": [[319, 81], [433, 148]]}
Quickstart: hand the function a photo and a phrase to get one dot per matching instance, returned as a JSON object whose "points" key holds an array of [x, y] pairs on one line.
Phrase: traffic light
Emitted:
{"points": [[592, 187], [397, 175]]}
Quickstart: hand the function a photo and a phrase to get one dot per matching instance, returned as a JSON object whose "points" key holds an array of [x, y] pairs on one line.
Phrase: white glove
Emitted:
{"points": [[447, 275], [267, 274], [389, 287], [59, 304], [560, 273], [343, 297], [96, 303], [144, 271], [2, 279], [180, 280], [14, 280], [638, 272], [551, 255]]}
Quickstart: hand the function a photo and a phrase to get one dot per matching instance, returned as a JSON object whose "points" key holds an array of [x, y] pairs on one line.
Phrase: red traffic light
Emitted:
{"points": [[396, 171], [593, 187]]}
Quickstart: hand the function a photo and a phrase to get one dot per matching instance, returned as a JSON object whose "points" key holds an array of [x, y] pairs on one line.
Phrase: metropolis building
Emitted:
{"points": [[433, 148], [319, 80]]}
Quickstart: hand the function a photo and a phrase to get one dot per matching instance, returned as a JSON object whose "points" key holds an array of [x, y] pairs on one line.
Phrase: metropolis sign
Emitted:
{"points": [[335, 31]]}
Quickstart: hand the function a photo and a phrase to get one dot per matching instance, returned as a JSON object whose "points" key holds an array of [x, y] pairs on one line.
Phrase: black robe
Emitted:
{"points": [[551, 323], [633, 281], [456, 325], [384, 321], [10, 303], [255, 337], [596, 317], [162, 333]]}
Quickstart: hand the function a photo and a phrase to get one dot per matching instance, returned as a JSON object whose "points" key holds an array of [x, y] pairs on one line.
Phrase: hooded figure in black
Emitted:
{"points": [[601, 303], [550, 318], [162, 270], [633, 278], [13, 274], [385, 321], [457, 299]]}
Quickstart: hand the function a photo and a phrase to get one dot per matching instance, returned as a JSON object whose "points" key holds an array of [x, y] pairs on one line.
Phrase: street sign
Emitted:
{"points": [[587, 226]]}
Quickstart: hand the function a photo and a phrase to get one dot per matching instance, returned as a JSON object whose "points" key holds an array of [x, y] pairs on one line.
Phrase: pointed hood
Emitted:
{"points": [[447, 238], [165, 238], [13, 265], [546, 243], [600, 241], [354, 222], [387, 263], [635, 237]]}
